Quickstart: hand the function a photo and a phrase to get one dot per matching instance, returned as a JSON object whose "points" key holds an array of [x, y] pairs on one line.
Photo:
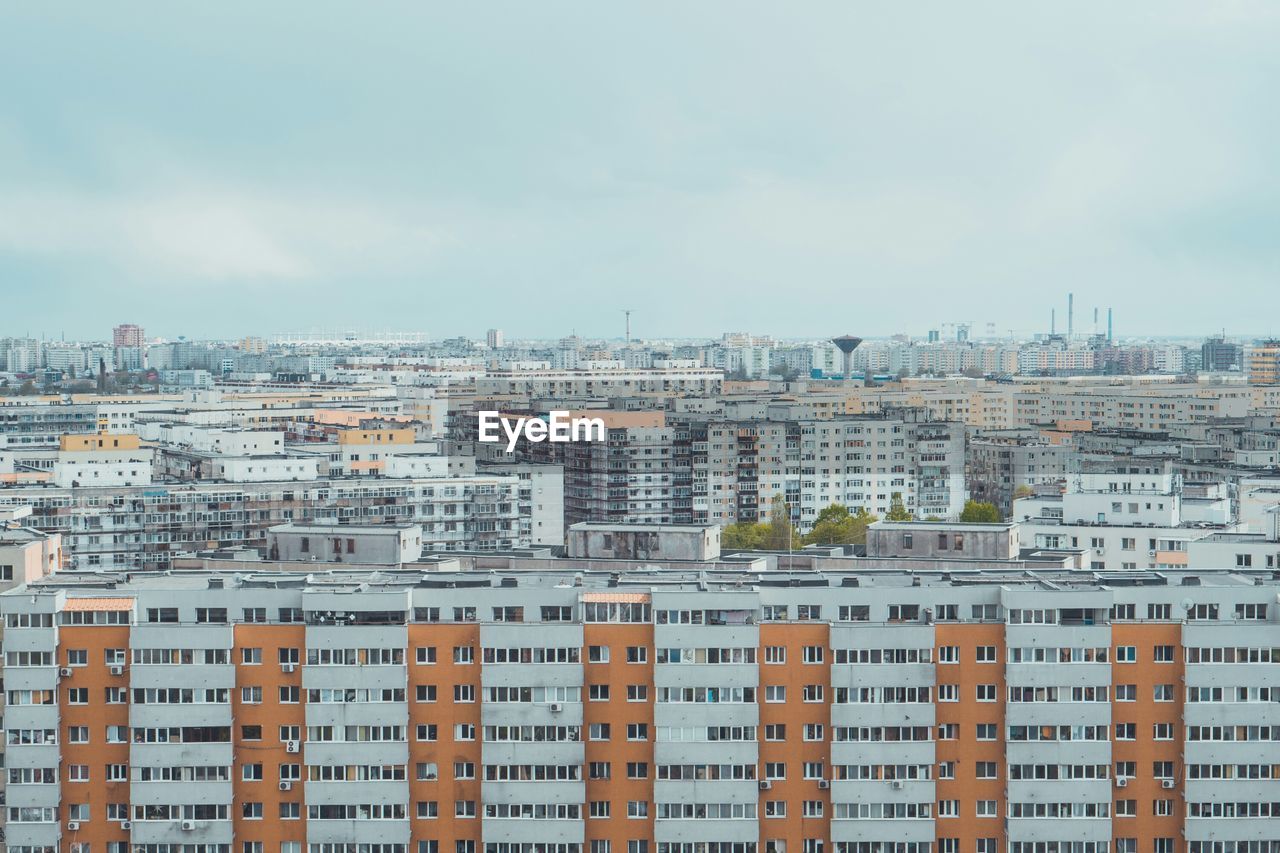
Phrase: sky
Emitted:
{"points": [[796, 169]]}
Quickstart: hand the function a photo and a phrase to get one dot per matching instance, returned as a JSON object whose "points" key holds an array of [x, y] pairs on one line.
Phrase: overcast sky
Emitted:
{"points": [[800, 169]]}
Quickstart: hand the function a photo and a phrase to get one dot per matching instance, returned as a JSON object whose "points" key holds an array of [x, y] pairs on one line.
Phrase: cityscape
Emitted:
{"points": [[563, 427], [894, 595]]}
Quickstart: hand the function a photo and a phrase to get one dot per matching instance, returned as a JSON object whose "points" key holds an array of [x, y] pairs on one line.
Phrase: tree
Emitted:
{"points": [[897, 509], [743, 536], [27, 389], [1022, 490], [980, 512], [837, 526], [782, 536]]}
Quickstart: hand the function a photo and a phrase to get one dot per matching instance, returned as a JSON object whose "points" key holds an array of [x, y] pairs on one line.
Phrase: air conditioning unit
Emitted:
{"points": [[187, 825], [116, 669], [288, 667], [291, 746], [1121, 781], [1151, 553], [286, 786], [65, 672], [1098, 550], [73, 826], [126, 825], [896, 784], [765, 785], [1167, 784], [556, 707], [823, 784]]}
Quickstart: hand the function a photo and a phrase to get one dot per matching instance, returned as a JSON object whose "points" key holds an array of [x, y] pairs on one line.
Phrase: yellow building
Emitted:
{"points": [[101, 441], [1262, 362]]}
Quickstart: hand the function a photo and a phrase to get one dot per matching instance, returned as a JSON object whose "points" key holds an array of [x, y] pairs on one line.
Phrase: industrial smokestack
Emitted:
{"points": [[1108, 325], [1071, 314], [1053, 321]]}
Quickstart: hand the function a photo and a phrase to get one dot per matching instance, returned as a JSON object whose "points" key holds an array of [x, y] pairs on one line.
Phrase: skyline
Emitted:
{"points": [[213, 171]]}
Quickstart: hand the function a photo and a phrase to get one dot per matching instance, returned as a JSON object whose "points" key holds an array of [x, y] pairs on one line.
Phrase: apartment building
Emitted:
{"points": [[866, 461], [144, 526], [997, 464], [671, 713]]}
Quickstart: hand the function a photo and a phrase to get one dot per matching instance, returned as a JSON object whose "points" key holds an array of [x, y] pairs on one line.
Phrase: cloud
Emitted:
{"points": [[204, 234]]}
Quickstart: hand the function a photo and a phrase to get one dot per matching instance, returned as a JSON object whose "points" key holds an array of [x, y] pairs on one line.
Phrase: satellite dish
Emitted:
{"points": [[1186, 604]]}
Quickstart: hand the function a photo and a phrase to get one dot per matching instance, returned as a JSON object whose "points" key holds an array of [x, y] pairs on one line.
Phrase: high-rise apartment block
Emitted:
{"points": [[406, 712], [127, 335]]}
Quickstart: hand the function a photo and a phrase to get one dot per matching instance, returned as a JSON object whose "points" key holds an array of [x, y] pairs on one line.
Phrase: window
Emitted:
{"points": [[598, 809], [598, 731], [986, 654], [78, 734], [637, 693], [986, 731], [637, 731], [427, 732], [986, 808], [598, 770], [808, 612], [985, 770], [812, 654], [597, 654], [1126, 654], [814, 732], [775, 693], [986, 693], [637, 808], [812, 693], [775, 731], [598, 693], [1126, 808], [251, 695], [775, 770], [425, 693], [1163, 693], [948, 654], [947, 770], [464, 693], [637, 654], [1163, 654], [78, 772], [1126, 693], [426, 655], [251, 772], [1126, 731], [637, 770], [948, 693], [775, 654], [1162, 731], [464, 654], [948, 808]]}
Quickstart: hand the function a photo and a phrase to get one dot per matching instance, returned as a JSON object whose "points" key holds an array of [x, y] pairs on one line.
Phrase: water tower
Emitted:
{"points": [[847, 344]]}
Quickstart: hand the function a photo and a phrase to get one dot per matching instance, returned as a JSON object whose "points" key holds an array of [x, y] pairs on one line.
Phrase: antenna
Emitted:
{"points": [[627, 313]]}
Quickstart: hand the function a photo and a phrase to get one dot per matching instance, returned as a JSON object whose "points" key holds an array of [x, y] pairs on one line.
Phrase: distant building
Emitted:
{"points": [[1218, 354], [380, 544], [1263, 363], [494, 338], [127, 335]]}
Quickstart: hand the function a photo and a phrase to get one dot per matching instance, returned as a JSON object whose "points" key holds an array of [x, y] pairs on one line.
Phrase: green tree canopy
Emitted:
{"points": [[897, 509], [782, 535], [980, 512], [837, 526], [743, 536]]}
